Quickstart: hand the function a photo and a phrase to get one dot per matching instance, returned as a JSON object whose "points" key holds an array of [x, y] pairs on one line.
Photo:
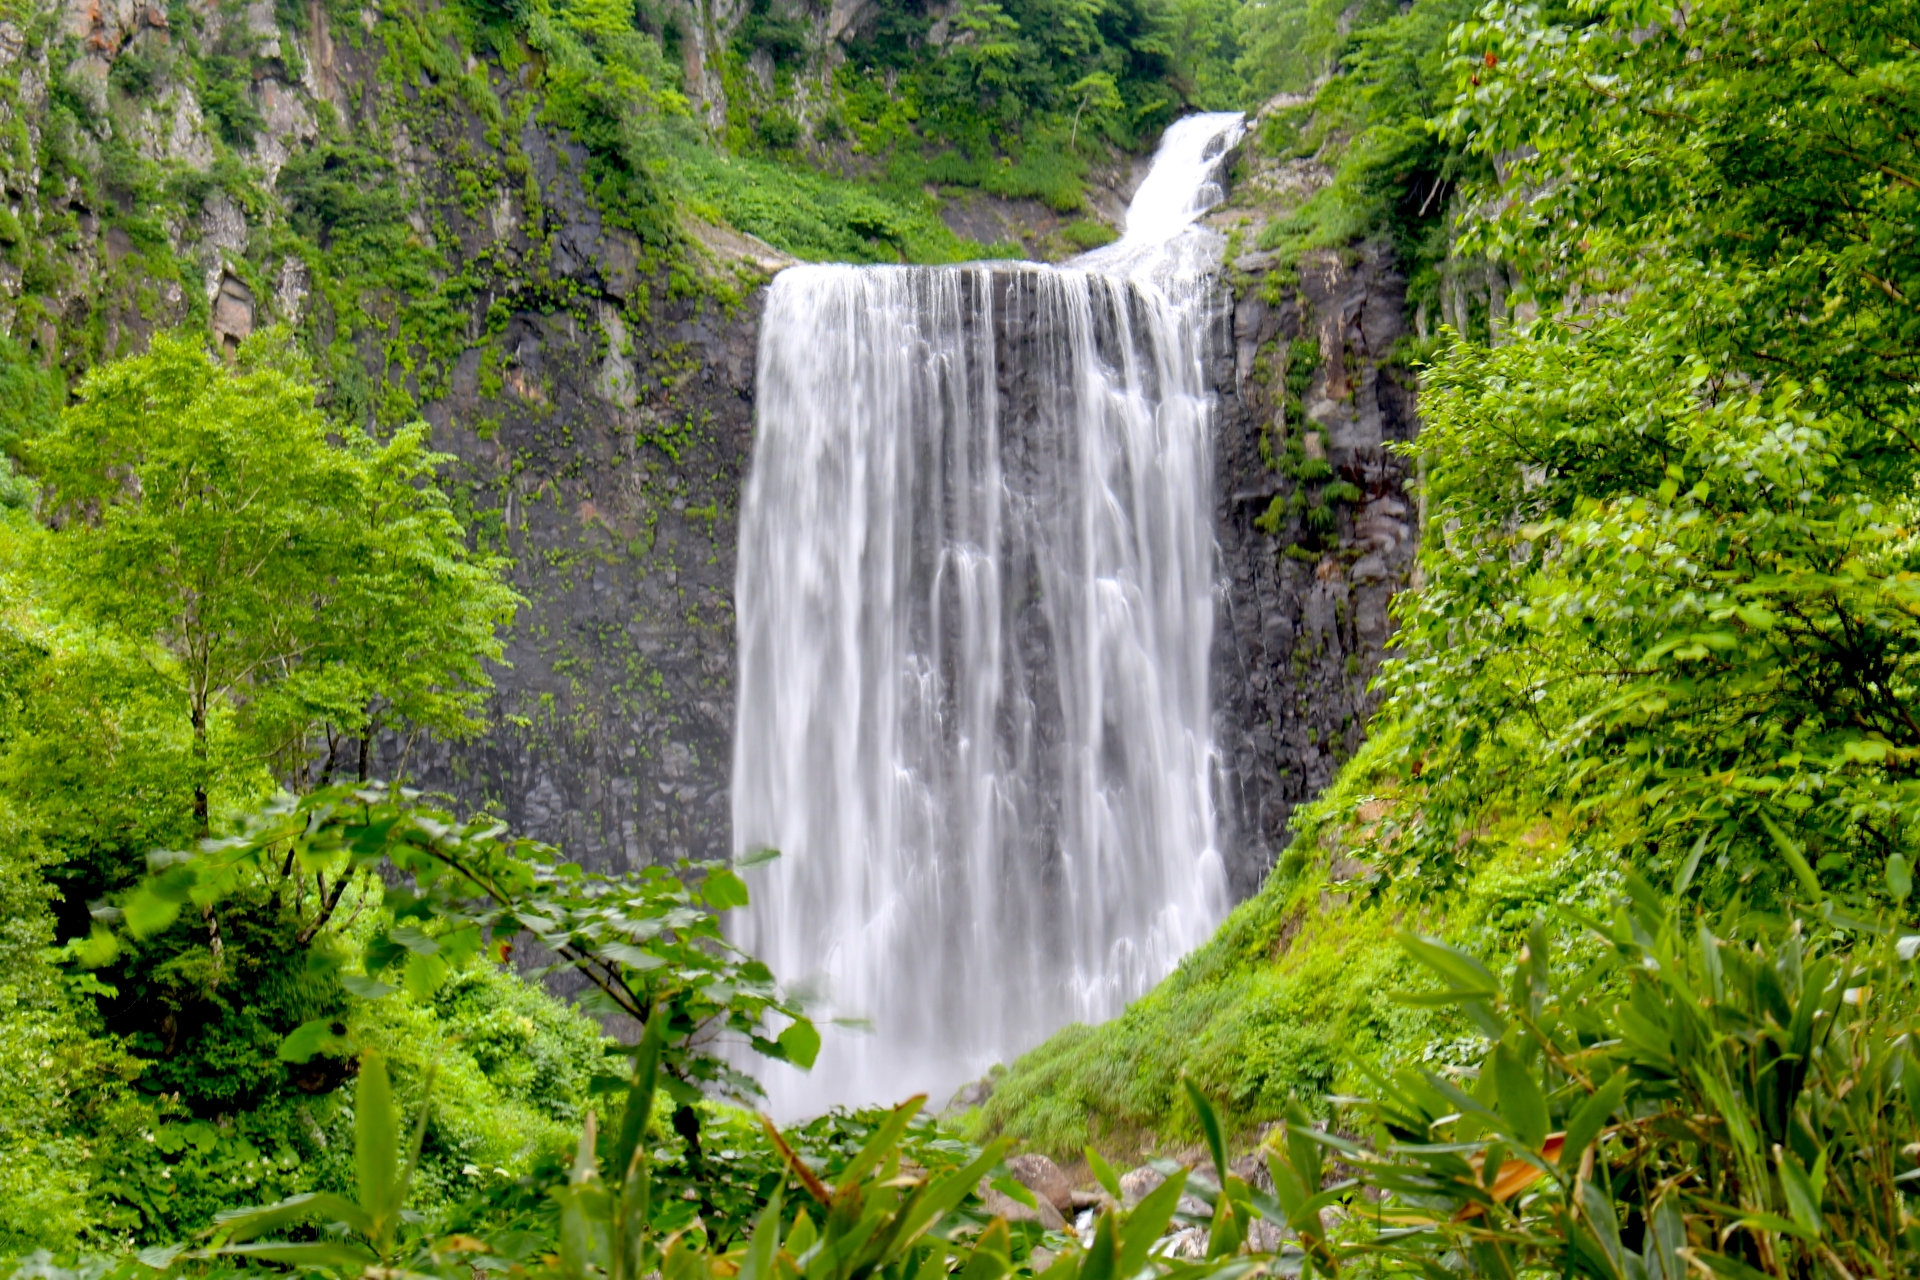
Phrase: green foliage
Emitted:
{"points": [[1027, 85], [1085, 234], [647, 942], [210, 1020], [1289, 999], [232, 581], [608, 85], [30, 396], [376, 1230], [1732, 1097], [1669, 553], [781, 38], [48, 1066], [881, 1218], [338, 191], [817, 217], [1206, 46], [141, 67], [1287, 45], [511, 1072], [1393, 174], [226, 85], [312, 591]]}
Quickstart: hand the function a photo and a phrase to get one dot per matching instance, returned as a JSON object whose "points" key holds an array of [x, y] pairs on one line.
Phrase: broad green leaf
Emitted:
{"points": [[423, 975], [414, 939], [1493, 1259], [457, 946], [1103, 1174], [338, 1254], [98, 949], [884, 1139], [630, 1151], [990, 1257], [1012, 1188], [1148, 1222], [160, 1256], [383, 952], [1690, 866], [1668, 1237], [631, 956], [312, 1038], [1102, 1261], [359, 984], [1803, 1201], [1719, 1264], [1463, 974], [1519, 1098], [147, 912], [317, 1206], [801, 1042], [944, 1194], [1795, 859], [376, 1140], [1589, 1118], [1597, 1208], [1209, 1126], [764, 1244], [801, 1239], [1303, 1146], [724, 890]]}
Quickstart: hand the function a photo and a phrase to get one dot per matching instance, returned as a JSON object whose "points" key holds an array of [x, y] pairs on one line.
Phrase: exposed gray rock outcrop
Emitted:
{"points": [[1304, 621]]}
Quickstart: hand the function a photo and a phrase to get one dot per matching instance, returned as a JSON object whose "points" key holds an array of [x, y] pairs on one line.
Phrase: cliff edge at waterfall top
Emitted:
{"points": [[975, 610], [1162, 238]]}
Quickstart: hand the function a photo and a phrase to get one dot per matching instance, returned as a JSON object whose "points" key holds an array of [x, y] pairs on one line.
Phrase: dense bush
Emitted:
{"points": [[1668, 553], [1736, 1096]]}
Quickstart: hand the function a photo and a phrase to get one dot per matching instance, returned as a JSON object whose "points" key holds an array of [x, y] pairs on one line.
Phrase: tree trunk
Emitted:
{"points": [[201, 817]]}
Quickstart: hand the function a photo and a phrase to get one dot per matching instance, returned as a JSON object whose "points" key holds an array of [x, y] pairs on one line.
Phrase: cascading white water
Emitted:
{"points": [[975, 608]]}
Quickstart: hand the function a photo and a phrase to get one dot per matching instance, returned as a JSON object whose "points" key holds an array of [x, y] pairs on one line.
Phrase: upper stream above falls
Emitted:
{"points": [[976, 601]]}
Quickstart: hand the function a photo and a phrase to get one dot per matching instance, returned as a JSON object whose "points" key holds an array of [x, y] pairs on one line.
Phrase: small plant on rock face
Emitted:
{"points": [[777, 131]]}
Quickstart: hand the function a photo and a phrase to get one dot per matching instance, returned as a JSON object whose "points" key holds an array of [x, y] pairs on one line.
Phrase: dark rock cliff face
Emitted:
{"points": [[1303, 621], [616, 718], [614, 722]]}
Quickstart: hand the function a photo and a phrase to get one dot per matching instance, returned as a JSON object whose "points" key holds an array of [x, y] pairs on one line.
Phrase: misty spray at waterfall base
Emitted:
{"points": [[976, 604]]}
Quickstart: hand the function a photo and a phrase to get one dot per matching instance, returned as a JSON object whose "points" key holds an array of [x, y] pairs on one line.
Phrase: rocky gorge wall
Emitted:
{"points": [[598, 399], [1310, 555], [439, 251], [620, 775]]}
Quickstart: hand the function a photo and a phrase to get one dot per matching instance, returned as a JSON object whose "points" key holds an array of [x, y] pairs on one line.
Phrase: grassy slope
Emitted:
{"points": [[1293, 996]]}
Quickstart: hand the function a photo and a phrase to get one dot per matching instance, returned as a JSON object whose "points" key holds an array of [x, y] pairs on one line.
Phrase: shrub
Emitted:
{"points": [[777, 131]]}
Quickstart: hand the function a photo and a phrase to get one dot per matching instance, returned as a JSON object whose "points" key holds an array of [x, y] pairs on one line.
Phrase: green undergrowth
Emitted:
{"points": [[1393, 174], [819, 217], [103, 1158], [1296, 996]]}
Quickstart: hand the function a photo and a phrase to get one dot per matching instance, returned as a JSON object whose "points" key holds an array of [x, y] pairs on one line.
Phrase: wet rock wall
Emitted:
{"points": [[1317, 529]]}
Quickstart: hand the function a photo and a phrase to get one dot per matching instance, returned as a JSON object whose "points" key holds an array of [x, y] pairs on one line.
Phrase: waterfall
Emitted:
{"points": [[975, 608]]}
